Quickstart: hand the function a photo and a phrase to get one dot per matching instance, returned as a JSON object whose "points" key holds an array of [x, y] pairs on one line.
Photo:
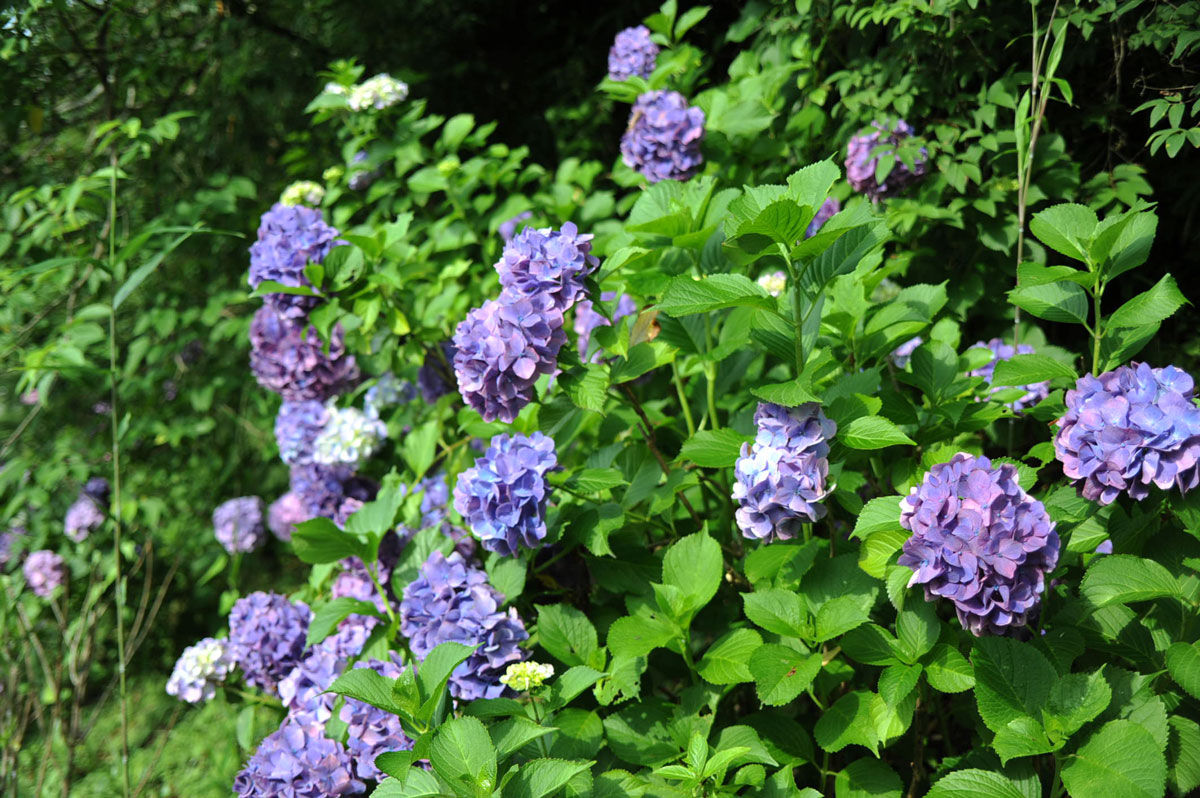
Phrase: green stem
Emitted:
{"points": [[1056, 784], [683, 400], [798, 316], [1098, 333], [685, 648], [537, 716]]}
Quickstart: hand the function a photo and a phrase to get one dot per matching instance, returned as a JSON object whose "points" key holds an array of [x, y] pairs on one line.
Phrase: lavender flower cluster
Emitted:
{"points": [[632, 53], [45, 571], [298, 761], [284, 513], [297, 426], [862, 158], [662, 140], [372, 731], [1000, 352], [451, 601], [547, 263], [503, 497], [979, 540], [1130, 428], [782, 477], [290, 236], [85, 515], [199, 670], [266, 637], [902, 354], [238, 524], [288, 357]]}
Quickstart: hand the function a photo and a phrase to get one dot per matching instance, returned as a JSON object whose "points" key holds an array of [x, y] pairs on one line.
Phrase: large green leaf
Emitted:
{"points": [[727, 661], [1122, 578], [566, 633], [686, 296], [1012, 680], [1150, 307], [782, 673], [463, 756], [1121, 760]]}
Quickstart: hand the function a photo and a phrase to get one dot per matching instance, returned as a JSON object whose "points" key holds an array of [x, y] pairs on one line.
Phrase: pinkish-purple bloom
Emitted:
{"points": [[288, 357], [45, 572], [865, 150]]}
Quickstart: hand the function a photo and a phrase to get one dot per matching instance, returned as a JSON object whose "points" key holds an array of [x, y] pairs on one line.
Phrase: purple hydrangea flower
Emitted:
{"points": [[587, 319], [503, 497], [83, 518], [98, 489], [827, 211], [1001, 351], [501, 349], [298, 761], [289, 238], [284, 513], [322, 489], [979, 540], [632, 53], [435, 378], [198, 671], [388, 391], [45, 571], [372, 731], [8, 539], [903, 353], [508, 228], [1129, 428], [547, 262], [1105, 547], [663, 138], [297, 426], [266, 637], [302, 690], [861, 160], [782, 477], [288, 357], [361, 179], [239, 524], [451, 601]]}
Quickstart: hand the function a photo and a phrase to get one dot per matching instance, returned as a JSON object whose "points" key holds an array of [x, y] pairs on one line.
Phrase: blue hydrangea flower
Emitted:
{"points": [[198, 671], [98, 489], [500, 351], [451, 601], [238, 524], [371, 731], [632, 53], [548, 263], [289, 238], [903, 353], [435, 378], [349, 438], [827, 211], [83, 517], [862, 158], [782, 477], [979, 540], [266, 637], [1130, 428], [288, 357], [322, 489], [302, 690], [297, 426], [284, 513], [388, 391], [45, 572], [663, 138], [298, 761], [508, 228], [1001, 351], [587, 319], [503, 497]]}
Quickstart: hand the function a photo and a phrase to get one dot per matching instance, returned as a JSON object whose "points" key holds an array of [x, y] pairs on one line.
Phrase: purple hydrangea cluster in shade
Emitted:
{"points": [[587, 319], [284, 513], [198, 671], [632, 53], [288, 357], [298, 761], [8, 539], [782, 478], [322, 489], [1001, 351], [83, 517], [827, 211], [98, 489], [297, 426], [1130, 428], [903, 353], [662, 141], [362, 178], [503, 496], [372, 731], [289, 238], [45, 571], [501, 349], [547, 263], [451, 601], [862, 159], [388, 391], [508, 228], [435, 378], [266, 637], [979, 540], [239, 524]]}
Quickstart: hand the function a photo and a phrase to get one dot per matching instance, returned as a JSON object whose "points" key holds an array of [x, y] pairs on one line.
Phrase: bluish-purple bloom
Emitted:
{"points": [[435, 378], [362, 178], [238, 524], [297, 426], [587, 319], [663, 138], [284, 513], [903, 353], [827, 211], [8, 539], [1129, 428], [503, 497], [862, 160], [501, 349], [98, 489], [323, 489], [782, 477], [288, 357], [547, 263], [451, 601], [298, 761], [632, 53], [45, 572], [266, 637], [198, 671], [388, 391], [1001, 351], [979, 540], [508, 228], [289, 238], [302, 690], [371, 731], [83, 517]]}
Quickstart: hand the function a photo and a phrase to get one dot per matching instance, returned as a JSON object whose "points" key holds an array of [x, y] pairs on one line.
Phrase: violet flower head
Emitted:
{"points": [[632, 53], [979, 540], [388, 391], [45, 571], [98, 489], [435, 378], [503, 496], [1130, 428], [298, 761], [501, 349], [827, 211], [83, 517], [782, 478], [862, 160], [902, 354], [302, 690], [266, 637], [239, 524], [547, 262], [297, 426], [1001, 351], [8, 539], [322, 489], [284, 513], [508, 228], [289, 238], [587, 319], [198, 671], [288, 357], [663, 138], [451, 601], [371, 731]]}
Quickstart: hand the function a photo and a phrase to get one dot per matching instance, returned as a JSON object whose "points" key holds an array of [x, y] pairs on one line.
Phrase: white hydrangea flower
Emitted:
{"points": [[526, 676], [774, 283], [303, 192], [199, 670], [336, 88], [378, 92], [350, 437]]}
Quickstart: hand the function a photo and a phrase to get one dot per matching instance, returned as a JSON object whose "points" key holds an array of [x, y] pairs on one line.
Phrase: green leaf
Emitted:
{"points": [[878, 549], [571, 684], [320, 541], [378, 516], [1122, 578], [872, 432], [510, 736], [881, 514], [686, 296], [782, 673], [1121, 760], [917, 629], [542, 777], [838, 616], [1021, 737], [435, 669], [847, 722], [507, 575], [973, 783], [140, 274], [1183, 755], [870, 645], [868, 778], [595, 480], [947, 670], [420, 448], [789, 394], [586, 386], [1063, 301], [727, 660], [1012, 680], [1150, 307], [1183, 663], [418, 783], [463, 756], [718, 448], [1076, 699], [694, 565], [1066, 228], [327, 617], [366, 685], [778, 611], [566, 633], [1028, 369], [638, 635]]}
